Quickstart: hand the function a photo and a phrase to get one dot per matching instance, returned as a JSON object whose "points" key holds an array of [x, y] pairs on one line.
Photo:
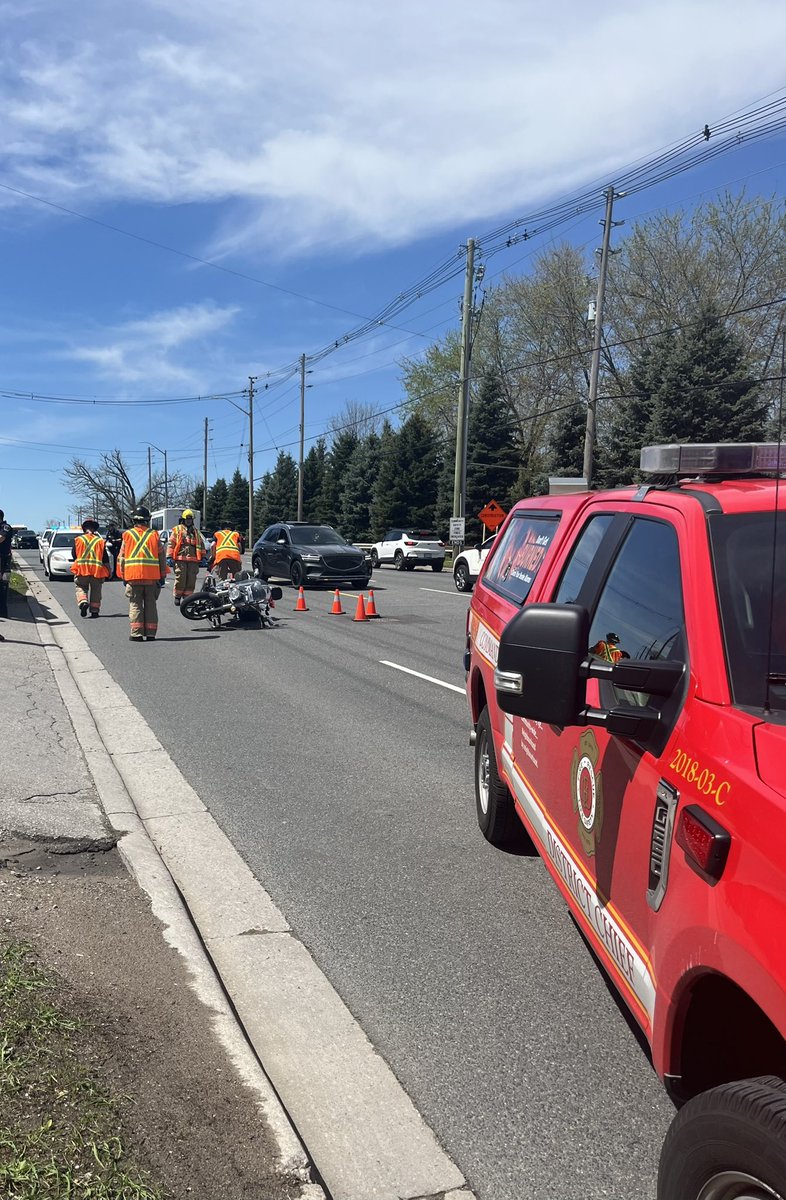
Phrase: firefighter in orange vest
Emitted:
{"points": [[186, 550], [142, 566], [227, 555], [608, 648], [90, 567]]}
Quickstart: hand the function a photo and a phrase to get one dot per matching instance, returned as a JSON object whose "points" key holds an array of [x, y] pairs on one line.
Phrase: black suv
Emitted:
{"points": [[306, 553]]}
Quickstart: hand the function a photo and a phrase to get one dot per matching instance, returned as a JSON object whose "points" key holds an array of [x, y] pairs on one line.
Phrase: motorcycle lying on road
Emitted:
{"points": [[243, 599]]}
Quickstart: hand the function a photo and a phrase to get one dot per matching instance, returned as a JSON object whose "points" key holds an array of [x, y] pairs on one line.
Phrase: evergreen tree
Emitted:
{"points": [[314, 466], [702, 388], [216, 502], [492, 455], [276, 497], [406, 490], [357, 495], [235, 514], [262, 512], [692, 385], [387, 467], [567, 441], [338, 460], [196, 500]]}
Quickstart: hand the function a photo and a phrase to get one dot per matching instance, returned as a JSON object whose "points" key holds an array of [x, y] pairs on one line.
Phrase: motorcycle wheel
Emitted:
{"points": [[198, 606]]}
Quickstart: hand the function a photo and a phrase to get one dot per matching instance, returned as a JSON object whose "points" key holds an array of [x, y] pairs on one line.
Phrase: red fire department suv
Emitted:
{"points": [[626, 659]]}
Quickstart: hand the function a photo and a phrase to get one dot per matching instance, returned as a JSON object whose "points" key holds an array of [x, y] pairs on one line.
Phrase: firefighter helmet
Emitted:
{"points": [[613, 639], [186, 513], [141, 515]]}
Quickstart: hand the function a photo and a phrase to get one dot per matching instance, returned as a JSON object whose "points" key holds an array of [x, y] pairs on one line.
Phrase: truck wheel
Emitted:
{"points": [[728, 1144], [497, 817]]}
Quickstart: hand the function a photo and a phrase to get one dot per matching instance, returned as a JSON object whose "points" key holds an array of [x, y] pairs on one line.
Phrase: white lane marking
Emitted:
{"points": [[419, 675], [445, 592]]}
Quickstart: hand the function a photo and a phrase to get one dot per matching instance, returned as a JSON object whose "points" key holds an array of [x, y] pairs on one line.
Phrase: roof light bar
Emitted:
{"points": [[714, 458]]}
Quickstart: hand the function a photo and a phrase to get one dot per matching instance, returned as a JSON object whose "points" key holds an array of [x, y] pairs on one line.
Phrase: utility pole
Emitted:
{"points": [[302, 436], [250, 461], [149, 475], [204, 484], [592, 398], [462, 416], [166, 482]]}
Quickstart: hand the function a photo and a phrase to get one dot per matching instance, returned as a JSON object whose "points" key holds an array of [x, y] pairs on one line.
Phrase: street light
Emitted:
{"points": [[150, 472]]}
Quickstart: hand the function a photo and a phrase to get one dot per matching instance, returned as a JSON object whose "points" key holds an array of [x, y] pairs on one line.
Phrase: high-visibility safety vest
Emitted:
{"points": [[227, 546], [186, 544], [140, 555], [89, 549]]}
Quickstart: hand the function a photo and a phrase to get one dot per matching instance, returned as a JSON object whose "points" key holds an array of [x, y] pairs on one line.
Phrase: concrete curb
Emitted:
{"points": [[363, 1132], [149, 871]]}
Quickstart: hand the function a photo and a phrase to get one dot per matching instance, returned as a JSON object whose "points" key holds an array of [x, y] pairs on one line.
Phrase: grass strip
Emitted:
{"points": [[59, 1126], [18, 583]]}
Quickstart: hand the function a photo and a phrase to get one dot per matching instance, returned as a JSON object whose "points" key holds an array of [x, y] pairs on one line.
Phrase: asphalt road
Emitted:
{"points": [[346, 785]]}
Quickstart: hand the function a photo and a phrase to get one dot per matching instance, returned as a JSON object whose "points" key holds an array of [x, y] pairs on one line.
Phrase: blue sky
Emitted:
{"points": [[339, 151]]}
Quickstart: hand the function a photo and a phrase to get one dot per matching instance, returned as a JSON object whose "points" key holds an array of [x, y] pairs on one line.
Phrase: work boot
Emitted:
{"points": [[177, 602], [150, 639], [83, 608], [95, 614], [134, 638]]}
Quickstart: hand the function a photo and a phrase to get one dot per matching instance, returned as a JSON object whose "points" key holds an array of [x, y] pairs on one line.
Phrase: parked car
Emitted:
{"points": [[306, 553], [43, 542], [57, 556], [24, 539], [467, 566], [407, 549]]}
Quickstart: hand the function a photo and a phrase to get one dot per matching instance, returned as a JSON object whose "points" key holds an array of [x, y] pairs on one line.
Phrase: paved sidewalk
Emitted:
{"points": [[200, 1111]]}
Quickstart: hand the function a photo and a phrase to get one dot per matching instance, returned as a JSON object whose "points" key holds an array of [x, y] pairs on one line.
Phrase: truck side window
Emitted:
{"points": [[520, 553], [584, 552], [639, 613]]}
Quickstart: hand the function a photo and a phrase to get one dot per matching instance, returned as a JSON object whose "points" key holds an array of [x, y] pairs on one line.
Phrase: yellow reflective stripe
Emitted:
{"points": [[89, 554], [141, 552], [226, 541]]}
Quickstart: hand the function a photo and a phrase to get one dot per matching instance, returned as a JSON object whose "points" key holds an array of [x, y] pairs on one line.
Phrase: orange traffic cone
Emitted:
{"points": [[336, 610], [371, 608], [360, 611], [301, 605]]}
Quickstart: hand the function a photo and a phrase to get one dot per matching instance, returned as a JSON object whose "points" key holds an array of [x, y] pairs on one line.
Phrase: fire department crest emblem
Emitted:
{"points": [[587, 791]]}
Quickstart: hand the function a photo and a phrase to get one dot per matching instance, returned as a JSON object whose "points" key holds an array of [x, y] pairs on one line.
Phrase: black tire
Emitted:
{"points": [[375, 563], [297, 574], [398, 560], [726, 1143], [497, 817], [437, 566], [198, 606], [256, 568], [462, 577]]}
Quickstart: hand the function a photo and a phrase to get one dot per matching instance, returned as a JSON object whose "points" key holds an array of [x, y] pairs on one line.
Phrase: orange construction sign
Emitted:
{"points": [[492, 515]]}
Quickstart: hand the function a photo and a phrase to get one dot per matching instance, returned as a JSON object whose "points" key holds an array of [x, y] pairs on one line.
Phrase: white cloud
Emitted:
{"points": [[365, 123], [145, 351]]}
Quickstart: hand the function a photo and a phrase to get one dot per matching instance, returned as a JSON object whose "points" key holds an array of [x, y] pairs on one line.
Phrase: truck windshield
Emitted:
{"points": [[752, 600]]}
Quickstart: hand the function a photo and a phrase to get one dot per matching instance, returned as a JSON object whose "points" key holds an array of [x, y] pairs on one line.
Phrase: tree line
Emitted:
{"points": [[693, 338]]}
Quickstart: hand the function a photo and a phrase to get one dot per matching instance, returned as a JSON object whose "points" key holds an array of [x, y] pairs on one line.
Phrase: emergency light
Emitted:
{"points": [[714, 458]]}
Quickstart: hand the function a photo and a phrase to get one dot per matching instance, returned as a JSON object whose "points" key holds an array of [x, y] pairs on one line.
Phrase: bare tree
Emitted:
{"points": [[361, 416], [107, 491]]}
